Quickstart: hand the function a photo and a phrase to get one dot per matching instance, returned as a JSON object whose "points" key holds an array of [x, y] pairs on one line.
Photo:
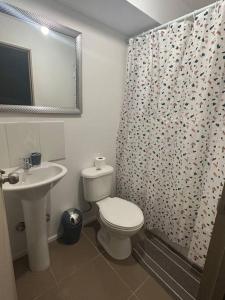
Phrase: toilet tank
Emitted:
{"points": [[97, 183]]}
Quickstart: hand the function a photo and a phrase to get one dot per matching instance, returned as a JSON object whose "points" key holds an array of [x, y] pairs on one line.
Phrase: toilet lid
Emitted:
{"points": [[120, 212]]}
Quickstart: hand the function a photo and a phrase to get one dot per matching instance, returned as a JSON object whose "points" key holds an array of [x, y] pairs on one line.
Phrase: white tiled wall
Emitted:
{"points": [[23, 138], [18, 140], [50, 135]]}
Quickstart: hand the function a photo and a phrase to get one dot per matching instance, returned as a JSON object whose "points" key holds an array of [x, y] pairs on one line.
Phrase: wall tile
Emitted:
{"points": [[4, 155], [23, 138], [52, 140]]}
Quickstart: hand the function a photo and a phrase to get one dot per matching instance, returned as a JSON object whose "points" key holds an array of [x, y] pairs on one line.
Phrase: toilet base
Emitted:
{"points": [[116, 245]]}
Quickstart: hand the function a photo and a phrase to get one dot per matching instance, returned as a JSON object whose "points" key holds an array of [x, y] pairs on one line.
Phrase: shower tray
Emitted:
{"points": [[180, 278]]}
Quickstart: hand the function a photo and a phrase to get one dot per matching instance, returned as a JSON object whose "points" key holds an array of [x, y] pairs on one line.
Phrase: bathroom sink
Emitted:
{"points": [[33, 190], [35, 177]]}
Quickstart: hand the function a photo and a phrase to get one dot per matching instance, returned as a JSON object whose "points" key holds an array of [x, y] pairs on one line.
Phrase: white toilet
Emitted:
{"points": [[119, 218]]}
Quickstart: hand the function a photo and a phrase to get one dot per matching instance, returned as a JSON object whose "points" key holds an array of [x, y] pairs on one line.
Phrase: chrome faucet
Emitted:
{"points": [[27, 163], [12, 177]]}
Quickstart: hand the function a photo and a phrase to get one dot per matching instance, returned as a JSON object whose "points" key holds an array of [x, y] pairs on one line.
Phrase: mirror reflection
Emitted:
{"points": [[38, 64]]}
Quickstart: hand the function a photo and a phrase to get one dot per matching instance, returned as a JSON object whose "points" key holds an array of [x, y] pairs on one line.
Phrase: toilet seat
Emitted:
{"points": [[120, 214], [116, 227]]}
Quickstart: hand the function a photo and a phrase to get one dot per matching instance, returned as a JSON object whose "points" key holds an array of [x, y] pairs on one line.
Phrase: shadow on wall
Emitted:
{"points": [[89, 210]]}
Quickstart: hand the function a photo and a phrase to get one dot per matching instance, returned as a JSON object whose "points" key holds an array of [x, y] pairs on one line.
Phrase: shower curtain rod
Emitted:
{"points": [[177, 20]]}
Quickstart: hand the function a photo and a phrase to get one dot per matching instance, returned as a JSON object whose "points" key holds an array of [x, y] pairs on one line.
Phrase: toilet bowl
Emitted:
{"points": [[119, 219]]}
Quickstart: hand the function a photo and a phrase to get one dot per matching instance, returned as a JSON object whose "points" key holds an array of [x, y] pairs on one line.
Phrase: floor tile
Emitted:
{"points": [[66, 259], [151, 290], [95, 281], [91, 231], [85, 274], [133, 297], [53, 294], [31, 284], [130, 271]]}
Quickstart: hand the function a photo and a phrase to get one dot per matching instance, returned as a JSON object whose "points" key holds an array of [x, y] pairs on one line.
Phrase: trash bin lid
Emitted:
{"points": [[74, 216]]}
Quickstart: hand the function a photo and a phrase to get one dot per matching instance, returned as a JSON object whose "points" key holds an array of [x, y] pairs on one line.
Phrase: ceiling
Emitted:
{"points": [[197, 4], [119, 15], [163, 11], [130, 17]]}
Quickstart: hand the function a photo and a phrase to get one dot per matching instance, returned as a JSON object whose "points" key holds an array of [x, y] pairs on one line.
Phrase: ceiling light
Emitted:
{"points": [[44, 30]]}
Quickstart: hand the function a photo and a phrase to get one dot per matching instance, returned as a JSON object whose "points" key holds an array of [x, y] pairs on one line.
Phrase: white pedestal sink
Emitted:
{"points": [[33, 186]]}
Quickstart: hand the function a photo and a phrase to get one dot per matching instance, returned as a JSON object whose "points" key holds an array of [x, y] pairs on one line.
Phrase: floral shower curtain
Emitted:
{"points": [[171, 139]]}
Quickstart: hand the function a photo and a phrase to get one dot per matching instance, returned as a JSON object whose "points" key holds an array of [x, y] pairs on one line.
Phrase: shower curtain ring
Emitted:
{"points": [[194, 15]]}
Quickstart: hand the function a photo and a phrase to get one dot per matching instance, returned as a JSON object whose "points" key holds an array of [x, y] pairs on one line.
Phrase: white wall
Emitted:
{"points": [[104, 57], [117, 14]]}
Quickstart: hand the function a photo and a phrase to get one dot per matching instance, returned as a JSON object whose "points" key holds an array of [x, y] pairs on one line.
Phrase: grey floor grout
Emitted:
{"points": [[124, 282], [141, 285], [132, 296], [66, 278], [38, 297], [116, 272], [79, 268], [53, 275], [89, 239], [45, 292], [99, 254]]}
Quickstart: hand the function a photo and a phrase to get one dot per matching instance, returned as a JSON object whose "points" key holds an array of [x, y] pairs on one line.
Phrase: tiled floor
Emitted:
{"points": [[84, 271]]}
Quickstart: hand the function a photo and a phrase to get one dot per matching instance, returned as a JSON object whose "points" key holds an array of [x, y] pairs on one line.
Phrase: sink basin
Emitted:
{"points": [[35, 177], [33, 188]]}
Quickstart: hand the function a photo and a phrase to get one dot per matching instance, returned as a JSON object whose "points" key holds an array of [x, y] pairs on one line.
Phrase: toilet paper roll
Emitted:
{"points": [[100, 162]]}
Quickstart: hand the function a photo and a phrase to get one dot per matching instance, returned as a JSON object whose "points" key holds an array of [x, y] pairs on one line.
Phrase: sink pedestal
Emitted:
{"points": [[36, 228], [32, 188]]}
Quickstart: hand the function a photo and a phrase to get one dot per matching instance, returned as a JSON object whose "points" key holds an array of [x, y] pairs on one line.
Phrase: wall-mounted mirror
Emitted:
{"points": [[40, 64]]}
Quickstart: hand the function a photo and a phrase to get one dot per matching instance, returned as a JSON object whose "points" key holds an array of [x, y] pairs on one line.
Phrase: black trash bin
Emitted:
{"points": [[71, 225]]}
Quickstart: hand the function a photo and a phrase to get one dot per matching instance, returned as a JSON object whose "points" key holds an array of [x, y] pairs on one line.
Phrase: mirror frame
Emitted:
{"points": [[32, 18]]}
